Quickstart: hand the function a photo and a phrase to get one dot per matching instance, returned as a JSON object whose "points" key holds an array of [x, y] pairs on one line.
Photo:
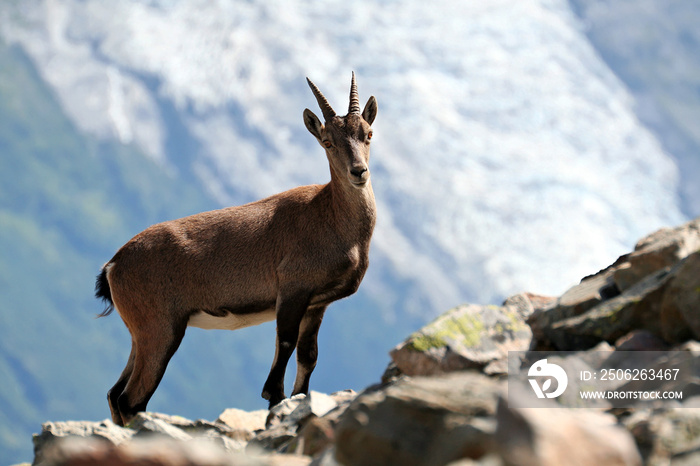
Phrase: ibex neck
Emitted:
{"points": [[354, 208]]}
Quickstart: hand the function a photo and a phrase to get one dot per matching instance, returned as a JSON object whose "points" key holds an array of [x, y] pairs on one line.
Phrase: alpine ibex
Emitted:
{"points": [[285, 257]]}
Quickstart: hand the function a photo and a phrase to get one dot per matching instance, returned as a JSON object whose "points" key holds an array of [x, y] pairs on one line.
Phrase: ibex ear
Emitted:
{"points": [[313, 124], [370, 111]]}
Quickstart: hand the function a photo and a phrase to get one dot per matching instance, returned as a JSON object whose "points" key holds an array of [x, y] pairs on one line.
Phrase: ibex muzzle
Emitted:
{"points": [[283, 258]]}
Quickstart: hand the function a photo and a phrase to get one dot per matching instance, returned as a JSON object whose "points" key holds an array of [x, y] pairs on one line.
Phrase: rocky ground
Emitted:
{"points": [[444, 399]]}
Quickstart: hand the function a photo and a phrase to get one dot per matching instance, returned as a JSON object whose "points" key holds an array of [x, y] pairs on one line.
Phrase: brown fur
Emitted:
{"points": [[285, 257]]}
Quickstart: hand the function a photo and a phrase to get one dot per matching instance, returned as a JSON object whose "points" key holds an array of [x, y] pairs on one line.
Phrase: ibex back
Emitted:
{"points": [[286, 257]]}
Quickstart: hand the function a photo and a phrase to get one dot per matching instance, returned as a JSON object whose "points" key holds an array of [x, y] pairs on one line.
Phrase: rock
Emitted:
{"points": [[280, 427], [326, 458], [228, 438], [637, 308], [666, 436], [344, 396], [592, 291], [528, 303], [316, 435], [342, 400], [144, 425], [274, 438], [653, 288], [180, 428], [685, 380], [680, 319], [147, 424], [641, 340], [286, 460], [588, 294], [302, 424], [240, 419], [465, 337], [391, 374], [283, 409], [155, 451], [420, 421], [556, 436], [105, 431], [162, 434], [158, 423], [243, 424], [664, 303], [294, 420], [657, 251], [177, 421], [315, 404]]}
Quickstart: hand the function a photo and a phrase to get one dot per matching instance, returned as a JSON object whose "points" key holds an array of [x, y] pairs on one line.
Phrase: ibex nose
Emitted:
{"points": [[358, 171], [359, 175]]}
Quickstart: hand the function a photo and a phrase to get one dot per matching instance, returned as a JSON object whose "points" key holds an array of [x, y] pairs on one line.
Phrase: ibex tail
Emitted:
{"points": [[102, 291]]}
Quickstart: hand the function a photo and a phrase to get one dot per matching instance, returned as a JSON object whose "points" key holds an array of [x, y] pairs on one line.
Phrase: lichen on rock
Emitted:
{"points": [[468, 336]]}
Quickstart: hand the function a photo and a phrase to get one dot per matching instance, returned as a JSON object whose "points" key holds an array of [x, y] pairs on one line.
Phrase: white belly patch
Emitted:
{"points": [[231, 321]]}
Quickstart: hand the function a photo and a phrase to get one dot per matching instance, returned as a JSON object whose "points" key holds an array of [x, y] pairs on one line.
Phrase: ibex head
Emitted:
{"points": [[346, 139]]}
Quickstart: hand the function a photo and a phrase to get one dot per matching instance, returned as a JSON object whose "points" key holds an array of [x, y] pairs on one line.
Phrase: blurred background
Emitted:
{"points": [[519, 146]]}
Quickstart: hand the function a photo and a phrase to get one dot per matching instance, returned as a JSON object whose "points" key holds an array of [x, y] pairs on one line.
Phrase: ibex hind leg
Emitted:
{"points": [[153, 349], [118, 388]]}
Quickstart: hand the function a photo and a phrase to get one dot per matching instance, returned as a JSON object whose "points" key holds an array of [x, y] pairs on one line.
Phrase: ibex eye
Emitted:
{"points": [[369, 135], [327, 144]]}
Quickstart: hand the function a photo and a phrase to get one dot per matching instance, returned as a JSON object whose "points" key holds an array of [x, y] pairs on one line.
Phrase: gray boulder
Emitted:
{"points": [[243, 424], [466, 337], [657, 251], [291, 426], [654, 288], [555, 436], [52, 432], [666, 436], [68, 442], [680, 303], [420, 421], [150, 450]]}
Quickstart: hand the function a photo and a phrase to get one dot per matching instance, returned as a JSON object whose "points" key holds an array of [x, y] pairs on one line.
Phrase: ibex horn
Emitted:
{"points": [[326, 109], [354, 98]]}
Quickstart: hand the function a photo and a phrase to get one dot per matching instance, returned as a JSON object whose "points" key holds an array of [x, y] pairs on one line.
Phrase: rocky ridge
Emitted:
{"points": [[444, 399]]}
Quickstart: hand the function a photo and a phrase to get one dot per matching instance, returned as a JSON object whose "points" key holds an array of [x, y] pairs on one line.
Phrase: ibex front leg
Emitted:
{"points": [[290, 312], [307, 348]]}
